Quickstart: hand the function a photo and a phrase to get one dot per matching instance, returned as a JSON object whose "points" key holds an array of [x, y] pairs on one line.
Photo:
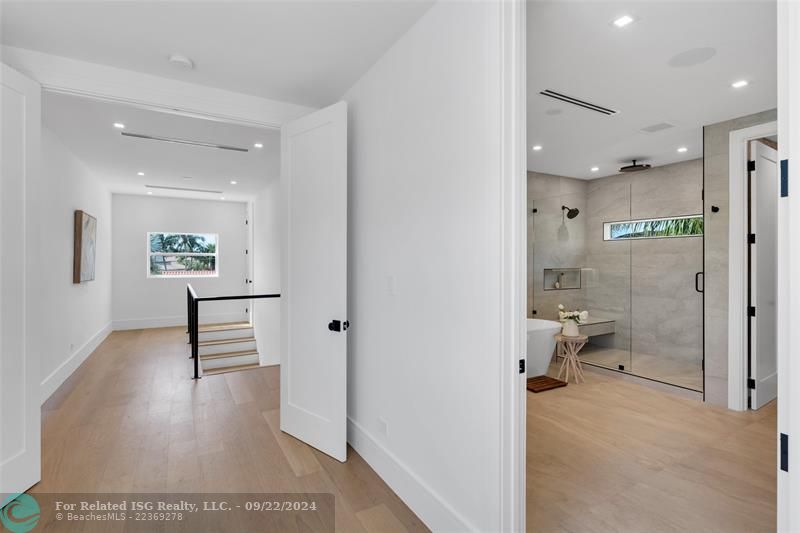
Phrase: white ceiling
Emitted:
{"points": [[574, 49], [302, 52], [85, 126]]}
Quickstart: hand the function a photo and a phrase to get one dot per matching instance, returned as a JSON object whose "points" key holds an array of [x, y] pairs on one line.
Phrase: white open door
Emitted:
{"points": [[763, 275], [20, 402], [314, 280]]}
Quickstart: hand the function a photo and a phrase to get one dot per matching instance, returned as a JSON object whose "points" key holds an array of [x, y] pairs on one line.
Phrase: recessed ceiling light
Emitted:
{"points": [[683, 149], [623, 21], [258, 145], [739, 84], [119, 125], [233, 182], [140, 173], [594, 169], [537, 147], [149, 192], [221, 197]]}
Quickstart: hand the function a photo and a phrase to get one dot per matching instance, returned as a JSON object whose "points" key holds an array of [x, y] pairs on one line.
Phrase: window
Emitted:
{"points": [[182, 255], [654, 228]]}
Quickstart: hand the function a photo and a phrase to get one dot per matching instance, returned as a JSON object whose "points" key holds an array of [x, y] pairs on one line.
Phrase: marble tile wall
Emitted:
{"points": [[716, 139], [554, 241]]}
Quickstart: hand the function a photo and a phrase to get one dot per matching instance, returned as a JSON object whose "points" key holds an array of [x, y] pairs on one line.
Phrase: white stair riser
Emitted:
{"points": [[220, 362], [225, 334], [227, 347]]}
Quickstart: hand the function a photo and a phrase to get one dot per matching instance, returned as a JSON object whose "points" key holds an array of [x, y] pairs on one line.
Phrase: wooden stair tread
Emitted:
{"points": [[224, 369], [223, 326], [228, 354], [226, 341]]}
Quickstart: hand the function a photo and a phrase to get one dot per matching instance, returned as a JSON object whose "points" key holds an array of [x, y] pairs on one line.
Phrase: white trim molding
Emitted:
{"points": [[513, 283], [56, 378], [72, 76], [737, 261], [432, 509]]}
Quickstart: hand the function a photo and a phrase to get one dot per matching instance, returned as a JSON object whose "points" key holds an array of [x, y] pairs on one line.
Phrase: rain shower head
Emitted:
{"points": [[571, 212]]}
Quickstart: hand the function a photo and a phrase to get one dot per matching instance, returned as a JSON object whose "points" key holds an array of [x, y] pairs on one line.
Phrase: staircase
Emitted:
{"points": [[226, 347]]}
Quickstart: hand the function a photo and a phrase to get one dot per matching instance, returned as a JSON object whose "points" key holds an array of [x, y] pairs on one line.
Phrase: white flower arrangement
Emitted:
{"points": [[578, 316]]}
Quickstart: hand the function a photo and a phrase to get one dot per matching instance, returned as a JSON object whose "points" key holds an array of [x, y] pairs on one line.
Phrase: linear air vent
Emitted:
{"points": [[183, 189], [183, 141], [578, 102]]}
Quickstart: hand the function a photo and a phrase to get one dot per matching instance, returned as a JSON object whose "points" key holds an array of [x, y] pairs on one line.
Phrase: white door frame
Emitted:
{"points": [[513, 301], [737, 261]]}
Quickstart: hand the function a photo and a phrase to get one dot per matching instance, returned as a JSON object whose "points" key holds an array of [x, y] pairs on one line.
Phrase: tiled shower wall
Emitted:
{"points": [[646, 286]]}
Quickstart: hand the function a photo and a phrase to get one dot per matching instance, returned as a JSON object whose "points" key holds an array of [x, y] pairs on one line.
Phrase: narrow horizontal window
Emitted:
{"points": [[171, 255], [654, 228]]}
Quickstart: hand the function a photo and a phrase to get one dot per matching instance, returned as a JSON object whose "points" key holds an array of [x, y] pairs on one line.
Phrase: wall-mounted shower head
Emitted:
{"points": [[571, 212]]}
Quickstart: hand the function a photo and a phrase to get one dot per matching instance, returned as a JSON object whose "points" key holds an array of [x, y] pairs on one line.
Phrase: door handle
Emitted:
{"points": [[697, 281], [338, 325]]}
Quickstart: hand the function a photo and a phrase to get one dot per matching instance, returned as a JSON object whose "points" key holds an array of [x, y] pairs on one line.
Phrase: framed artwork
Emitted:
{"points": [[84, 248]]}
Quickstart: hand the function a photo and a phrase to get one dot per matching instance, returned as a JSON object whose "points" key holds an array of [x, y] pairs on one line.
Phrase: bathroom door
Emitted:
{"points": [[314, 280], [763, 273]]}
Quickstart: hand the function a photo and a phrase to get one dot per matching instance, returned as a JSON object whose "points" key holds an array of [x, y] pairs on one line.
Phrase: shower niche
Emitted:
{"points": [[561, 279]]}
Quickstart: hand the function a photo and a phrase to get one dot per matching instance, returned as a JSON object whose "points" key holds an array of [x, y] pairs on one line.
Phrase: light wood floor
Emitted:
{"points": [[131, 420], [608, 455]]}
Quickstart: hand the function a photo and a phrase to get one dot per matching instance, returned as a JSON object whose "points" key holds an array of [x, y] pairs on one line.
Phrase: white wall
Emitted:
{"points": [[71, 319], [142, 302], [266, 229], [425, 266]]}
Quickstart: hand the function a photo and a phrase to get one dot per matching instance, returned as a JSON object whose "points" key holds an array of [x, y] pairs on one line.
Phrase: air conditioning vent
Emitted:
{"points": [[182, 189], [578, 102], [661, 126], [175, 140]]}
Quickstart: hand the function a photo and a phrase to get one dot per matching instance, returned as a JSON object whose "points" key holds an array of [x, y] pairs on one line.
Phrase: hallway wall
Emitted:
{"points": [[75, 317], [142, 302], [425, 253]]}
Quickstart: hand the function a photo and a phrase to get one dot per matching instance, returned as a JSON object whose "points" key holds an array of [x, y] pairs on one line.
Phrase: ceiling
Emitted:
{"points": [[302, 52], [575, 49], [86, 127]]}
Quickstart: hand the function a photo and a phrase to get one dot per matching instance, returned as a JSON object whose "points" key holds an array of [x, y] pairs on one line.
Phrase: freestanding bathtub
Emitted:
{"points": [[541, 344]]}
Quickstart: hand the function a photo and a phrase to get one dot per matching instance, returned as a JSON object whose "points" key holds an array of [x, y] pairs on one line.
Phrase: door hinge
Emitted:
{"points": [[784, 177], [784, 452], [752, 310], [751, 384], [522, 366], [751, 166], [246, 222], [752, 238], [246, 251], [703, 365], [702, 194]]}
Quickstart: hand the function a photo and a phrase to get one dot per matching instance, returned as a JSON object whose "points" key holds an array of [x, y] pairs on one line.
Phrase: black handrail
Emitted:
{"points": [[193, 326]]}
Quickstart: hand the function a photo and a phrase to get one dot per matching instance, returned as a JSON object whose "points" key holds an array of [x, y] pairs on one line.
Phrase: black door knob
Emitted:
{"points": [[335, 325]]}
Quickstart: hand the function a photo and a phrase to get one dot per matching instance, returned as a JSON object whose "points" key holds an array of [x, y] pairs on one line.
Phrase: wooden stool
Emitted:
{"points": [[568, 348]]}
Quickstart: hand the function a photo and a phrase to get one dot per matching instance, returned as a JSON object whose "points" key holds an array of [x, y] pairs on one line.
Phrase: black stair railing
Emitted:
{"points": [[193, 325]]}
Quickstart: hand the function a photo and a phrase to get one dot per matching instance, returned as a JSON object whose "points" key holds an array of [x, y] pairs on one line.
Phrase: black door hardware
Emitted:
{"points": [[338, 325], [714, 209], [697, 281]]}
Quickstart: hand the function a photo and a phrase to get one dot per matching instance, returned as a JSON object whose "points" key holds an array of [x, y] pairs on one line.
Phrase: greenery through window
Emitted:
{"points": [[182, 254], [654, 228]]}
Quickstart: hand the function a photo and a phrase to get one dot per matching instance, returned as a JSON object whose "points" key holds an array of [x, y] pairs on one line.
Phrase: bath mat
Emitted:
{"points": [[543, 383]]}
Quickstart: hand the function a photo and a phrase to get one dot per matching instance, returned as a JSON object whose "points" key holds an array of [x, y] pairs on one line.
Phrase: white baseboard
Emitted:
{"points": [[172, 321], [431, 508], [52, 382]]}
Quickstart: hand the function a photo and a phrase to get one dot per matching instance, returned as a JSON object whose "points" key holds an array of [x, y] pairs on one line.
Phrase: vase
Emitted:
{"points": [[569, 328]]}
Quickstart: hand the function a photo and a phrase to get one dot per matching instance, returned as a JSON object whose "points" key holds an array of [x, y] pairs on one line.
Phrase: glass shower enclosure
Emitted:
{"points": [[632, 257]]}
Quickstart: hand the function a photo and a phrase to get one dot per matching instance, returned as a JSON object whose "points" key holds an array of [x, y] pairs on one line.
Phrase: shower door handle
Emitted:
{"points": [[697, 281]]}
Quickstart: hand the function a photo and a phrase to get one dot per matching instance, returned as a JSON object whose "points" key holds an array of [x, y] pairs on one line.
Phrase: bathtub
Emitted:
{"points": [[541, 344]]}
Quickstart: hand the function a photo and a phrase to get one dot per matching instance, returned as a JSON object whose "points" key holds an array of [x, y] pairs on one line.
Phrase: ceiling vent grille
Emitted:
{"points": [[183, 141], [661, 126], [182, 189], [578, 102]]}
